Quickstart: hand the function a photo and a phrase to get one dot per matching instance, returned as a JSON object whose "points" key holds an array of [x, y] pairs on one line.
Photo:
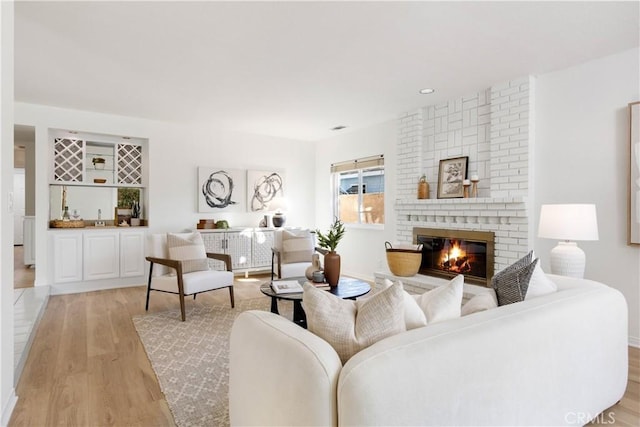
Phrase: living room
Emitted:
{"points": [[578, 153]]}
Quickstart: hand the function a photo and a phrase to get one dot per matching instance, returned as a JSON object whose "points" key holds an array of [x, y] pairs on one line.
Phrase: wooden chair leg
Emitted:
{"points": [[184, 317], [233, 304]]}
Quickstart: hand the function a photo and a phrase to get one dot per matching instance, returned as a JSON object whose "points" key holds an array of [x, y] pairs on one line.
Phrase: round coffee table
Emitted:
{"points": [[348, 288]]}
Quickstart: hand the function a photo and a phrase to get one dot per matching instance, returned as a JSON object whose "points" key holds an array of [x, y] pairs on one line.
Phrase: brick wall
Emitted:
{"points": [[493, 128]]}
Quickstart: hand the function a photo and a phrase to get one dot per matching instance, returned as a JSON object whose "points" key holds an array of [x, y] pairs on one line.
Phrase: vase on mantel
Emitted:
{"points": [[332, 268]]}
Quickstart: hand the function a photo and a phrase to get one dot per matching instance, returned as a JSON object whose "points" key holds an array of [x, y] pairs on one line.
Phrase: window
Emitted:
{"points": [[359, 190]]}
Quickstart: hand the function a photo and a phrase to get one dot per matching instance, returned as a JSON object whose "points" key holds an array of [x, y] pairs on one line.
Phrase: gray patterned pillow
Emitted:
{"points": [[511, 284], [188, 248]]}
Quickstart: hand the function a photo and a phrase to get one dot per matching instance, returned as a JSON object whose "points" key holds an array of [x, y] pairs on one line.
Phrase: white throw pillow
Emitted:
{"points": [[480, 302], [413, 315], [297, 247], [350, 326], [188, 248], [540, 284], [443, 302]]}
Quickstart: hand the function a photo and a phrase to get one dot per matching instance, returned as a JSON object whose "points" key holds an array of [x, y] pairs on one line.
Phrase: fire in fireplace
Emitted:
{"points": [[447, 253]]}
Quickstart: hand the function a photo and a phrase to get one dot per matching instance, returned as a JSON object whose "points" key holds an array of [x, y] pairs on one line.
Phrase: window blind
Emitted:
{"points": [[363, 163]]}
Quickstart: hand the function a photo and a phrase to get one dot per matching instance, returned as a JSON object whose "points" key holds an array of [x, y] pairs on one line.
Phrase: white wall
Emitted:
{"points": [[582, 132], [362, 249], [175, 152], [7, 395]]}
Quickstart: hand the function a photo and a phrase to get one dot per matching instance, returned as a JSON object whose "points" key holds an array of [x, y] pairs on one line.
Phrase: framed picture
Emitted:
{"points": [[634, 174], [122, 216], [221, 189], [450, 176], [262, 187]]}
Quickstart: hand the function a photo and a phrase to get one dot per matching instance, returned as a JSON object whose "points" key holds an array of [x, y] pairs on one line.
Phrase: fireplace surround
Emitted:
{"points": [[449, 252]]}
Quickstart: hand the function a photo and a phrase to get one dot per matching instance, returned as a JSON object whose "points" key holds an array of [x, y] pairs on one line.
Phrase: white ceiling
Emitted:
{"points": [[297, 69]]}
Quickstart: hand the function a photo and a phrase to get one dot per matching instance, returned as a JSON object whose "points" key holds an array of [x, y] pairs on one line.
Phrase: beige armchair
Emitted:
{"points": [[291, 252], [182, 267]]}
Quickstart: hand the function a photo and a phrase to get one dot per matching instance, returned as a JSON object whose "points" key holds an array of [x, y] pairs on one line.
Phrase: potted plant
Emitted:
{"points": [[329, 242]]}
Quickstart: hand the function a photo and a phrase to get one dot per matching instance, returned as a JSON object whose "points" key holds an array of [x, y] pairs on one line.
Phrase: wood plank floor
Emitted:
{"points": [[87, 366]]}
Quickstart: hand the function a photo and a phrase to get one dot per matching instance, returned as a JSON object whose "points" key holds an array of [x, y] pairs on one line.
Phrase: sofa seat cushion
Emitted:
{"points": [[350, 326], [198, 281]]}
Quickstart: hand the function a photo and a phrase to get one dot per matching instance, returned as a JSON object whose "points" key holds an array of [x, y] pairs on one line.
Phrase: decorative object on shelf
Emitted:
{"points": [[122, 215], [465, 185], [330, 242], [262, 188], [65, 214], [222, 224], [206, 224], [265, 221], [568, 223], [423, 188], [474, 185], [451, 174], [98, 163], [315, 267], [99, 180], [634, 174], [135, 213], [72, 223], [221, 189], [404, 260], [279, 205]]}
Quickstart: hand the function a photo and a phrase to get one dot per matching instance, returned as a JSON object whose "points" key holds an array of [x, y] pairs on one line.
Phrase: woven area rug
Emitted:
{"points": [[191, 358]]}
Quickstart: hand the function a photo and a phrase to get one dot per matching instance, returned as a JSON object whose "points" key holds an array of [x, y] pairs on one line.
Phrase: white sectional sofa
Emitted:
{"points": [[558, 359]]}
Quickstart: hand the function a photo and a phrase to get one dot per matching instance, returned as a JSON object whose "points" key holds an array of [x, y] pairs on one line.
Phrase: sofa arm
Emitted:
{"points": [[280, 373]]}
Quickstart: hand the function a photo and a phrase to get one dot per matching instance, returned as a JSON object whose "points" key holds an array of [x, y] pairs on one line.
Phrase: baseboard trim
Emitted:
{"points": [[8, 408], [634, 342], [94, 285]]}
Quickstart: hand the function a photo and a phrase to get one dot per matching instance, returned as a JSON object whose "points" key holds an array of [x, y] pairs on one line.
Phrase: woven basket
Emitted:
{"points": [[403, 262], [58, 223]]}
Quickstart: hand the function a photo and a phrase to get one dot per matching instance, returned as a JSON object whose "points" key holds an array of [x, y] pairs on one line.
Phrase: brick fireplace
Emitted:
{"points": [[494, 127]]}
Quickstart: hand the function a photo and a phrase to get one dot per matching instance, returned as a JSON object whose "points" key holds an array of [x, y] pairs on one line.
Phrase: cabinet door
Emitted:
{"points": [[215, 242], [68, 160], [239, 247], [262, 244], [67, 262], [101, 255], [131, 254]]}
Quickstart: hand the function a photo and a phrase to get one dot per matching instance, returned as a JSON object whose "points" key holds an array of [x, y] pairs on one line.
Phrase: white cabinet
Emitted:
{"points": [[67, 249], [101, 255], [93, 254], [131, 254], [261, 248], [249, 249]]}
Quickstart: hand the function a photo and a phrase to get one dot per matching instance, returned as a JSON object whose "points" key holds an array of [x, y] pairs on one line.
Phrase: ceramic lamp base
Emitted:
{"points": [[278, 220], [567, 259]]}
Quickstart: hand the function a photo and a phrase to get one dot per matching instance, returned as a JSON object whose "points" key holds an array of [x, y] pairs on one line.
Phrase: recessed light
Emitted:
{"points": [[427, 91], [340, 127]]}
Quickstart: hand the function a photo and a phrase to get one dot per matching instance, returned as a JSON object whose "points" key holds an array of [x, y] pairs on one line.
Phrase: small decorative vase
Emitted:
{"points": [[332, 268], [315, 266]]}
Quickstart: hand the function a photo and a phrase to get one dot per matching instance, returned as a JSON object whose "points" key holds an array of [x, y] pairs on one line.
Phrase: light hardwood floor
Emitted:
{"points": [[23, 276], [87, 366]]}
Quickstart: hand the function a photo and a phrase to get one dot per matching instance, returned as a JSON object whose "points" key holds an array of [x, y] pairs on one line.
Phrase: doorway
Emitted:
{"points": [[23, 206]]}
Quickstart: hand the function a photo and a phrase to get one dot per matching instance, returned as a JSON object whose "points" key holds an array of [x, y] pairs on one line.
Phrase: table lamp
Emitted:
{"points": [[278, 204], [568, 223]]}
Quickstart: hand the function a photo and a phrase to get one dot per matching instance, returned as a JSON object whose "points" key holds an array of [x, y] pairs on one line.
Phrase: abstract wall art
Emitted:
{"points": [[262, 187], [221, 189]]}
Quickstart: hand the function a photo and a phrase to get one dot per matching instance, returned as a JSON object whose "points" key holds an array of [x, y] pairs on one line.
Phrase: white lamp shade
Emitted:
{"points": [[278, 203], [568, 222]]}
